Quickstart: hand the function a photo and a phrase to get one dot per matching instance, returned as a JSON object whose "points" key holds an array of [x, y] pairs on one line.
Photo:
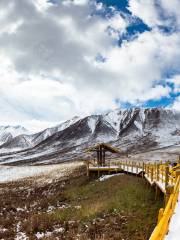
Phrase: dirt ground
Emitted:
{"points": [[72, 207]]}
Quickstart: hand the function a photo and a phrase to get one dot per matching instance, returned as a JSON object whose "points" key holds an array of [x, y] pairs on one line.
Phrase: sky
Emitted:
{"points": [[65, 58]]}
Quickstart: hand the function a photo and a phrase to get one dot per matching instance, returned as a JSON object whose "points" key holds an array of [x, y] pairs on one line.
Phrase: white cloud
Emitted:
{"points": [[145, 10], [80, 2], [157, 13], [155, 93], [176, 81], [48, 56], [176, 104]]}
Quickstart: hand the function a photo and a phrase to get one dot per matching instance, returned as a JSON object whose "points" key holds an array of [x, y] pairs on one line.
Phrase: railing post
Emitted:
{"points": [[152, 173], [169, 191], [161, 211], [148, 170], [157, 172], [162, 173], [177, 173]]}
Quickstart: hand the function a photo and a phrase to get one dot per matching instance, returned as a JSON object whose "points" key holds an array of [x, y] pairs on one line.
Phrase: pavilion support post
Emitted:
{"points": [[100, 155], [87, 167], [103, 154], [100, 150]]}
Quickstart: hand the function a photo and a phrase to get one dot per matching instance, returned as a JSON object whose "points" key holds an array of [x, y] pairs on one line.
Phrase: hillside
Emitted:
{"points": [[59, 202], [24, 141], [8, 133], [134, 131]]}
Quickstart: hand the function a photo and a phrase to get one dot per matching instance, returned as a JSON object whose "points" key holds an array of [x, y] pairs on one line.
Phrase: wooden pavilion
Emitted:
{"points": [[100, 150]]}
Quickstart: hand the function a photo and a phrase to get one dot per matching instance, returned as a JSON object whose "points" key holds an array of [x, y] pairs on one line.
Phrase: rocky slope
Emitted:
{"points": [[7, 133], [131, 130], [24, 141]]}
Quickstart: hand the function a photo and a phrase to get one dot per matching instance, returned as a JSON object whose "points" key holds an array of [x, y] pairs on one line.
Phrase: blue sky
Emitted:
{"points": [[138, 27], [62, 58]]}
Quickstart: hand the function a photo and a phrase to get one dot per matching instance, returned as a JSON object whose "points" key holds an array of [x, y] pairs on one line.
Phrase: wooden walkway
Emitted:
{"points": [[163, 177], [156, 174]]}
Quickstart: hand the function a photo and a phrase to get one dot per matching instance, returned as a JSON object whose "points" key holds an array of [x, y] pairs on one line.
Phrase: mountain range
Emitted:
{"points": [[133, 131]]}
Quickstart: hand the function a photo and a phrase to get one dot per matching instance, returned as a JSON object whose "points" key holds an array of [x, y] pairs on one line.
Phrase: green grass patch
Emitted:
{"points": [[126, 195], [120, 208]]}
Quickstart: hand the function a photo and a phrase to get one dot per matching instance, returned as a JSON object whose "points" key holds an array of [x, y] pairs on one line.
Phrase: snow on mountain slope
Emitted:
{"points": [[41, 136], [92, 121], [131, 130], [24, 141], [67, 123], [18, 143], [9, 132], [114, 118]]}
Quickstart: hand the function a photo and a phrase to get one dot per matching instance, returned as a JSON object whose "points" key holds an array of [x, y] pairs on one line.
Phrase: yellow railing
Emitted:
{"points": [[167, 179], [165, 215]]}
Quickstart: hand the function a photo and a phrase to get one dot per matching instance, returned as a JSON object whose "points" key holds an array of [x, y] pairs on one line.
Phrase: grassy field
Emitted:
{"points": [[121, 207], [124, 206]]}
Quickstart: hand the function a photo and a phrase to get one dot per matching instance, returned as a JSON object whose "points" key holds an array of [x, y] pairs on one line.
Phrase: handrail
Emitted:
{"points": [[165, 177], [162, 227]]}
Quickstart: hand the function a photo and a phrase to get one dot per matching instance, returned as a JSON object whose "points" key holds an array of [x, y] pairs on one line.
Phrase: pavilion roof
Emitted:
{"points": [[105, 146]]}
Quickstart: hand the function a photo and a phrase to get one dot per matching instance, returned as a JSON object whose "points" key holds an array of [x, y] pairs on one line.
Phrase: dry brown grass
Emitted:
{"points": [[114, 209], [38, 223]]}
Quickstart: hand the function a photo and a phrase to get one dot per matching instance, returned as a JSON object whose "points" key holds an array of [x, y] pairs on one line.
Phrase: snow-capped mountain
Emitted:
{"points": [[24, 141], [9, 132], [131, 130]]}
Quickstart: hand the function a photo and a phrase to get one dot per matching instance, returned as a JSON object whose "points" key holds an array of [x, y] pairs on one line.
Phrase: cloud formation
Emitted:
{"points": [[63, 59]]}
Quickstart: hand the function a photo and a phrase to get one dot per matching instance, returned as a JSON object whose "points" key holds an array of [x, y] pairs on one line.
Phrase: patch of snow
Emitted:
{"points": [[67, 123], [20, 209], [105, 177], [3, 230], [113, 118], [138, 125], [13, 130], [142, 115], [9, 132], [13, 173], [15, 157], [77, 207], [50, 209], [42, 235], [60, 230], [92, 123], [21, 236]]}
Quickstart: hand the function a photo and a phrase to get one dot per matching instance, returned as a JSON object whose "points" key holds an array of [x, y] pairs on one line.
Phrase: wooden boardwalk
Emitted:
{"points": [[163, 177]]}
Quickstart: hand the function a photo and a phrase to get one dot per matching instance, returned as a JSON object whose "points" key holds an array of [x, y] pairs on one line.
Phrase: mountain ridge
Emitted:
{"points": [[131, 130]]}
